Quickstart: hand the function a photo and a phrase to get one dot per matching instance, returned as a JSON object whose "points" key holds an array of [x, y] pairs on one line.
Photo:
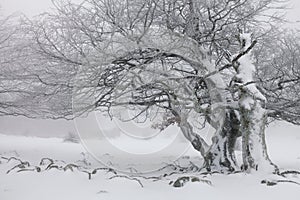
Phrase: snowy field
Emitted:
{"points": [[68, 177]]}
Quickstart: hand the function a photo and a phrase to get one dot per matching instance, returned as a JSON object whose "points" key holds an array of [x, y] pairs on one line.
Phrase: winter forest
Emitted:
{"points": [[189, 99]]}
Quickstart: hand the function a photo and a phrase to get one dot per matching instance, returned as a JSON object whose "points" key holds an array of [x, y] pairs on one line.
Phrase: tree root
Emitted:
{"points": [[284, 173], [176, 167], [180, 182], [165, 172], [275, 182], [50, 164], [129, 178], [104, 169]]}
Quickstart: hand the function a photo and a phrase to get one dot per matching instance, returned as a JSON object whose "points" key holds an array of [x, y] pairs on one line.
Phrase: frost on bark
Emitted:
{"points": [[255, 155], [196, 140], [253, 115], [221, 156], [248, 119], [181, 118]]}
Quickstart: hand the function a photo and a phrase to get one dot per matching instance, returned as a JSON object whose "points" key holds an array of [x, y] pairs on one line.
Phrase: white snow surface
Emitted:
{"points": [[283, 142]]}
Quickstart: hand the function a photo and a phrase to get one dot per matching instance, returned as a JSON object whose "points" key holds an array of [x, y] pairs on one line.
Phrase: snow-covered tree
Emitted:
{"points": [[279, 76], [10, 85], [182, 62], [27, 87]]}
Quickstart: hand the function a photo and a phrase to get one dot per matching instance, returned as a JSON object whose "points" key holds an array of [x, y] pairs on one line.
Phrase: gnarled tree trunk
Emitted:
{"points": [[253, 122], [221, 156], [253, 115]]}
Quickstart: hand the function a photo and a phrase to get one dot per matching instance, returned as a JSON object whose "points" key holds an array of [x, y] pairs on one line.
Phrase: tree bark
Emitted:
{"points": [[221, 156], [196, 140], [186, 128], [253, 115], [254, 148]]}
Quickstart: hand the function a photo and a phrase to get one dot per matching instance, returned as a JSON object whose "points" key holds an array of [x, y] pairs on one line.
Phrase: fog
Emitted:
{"points": [[35, 127]]}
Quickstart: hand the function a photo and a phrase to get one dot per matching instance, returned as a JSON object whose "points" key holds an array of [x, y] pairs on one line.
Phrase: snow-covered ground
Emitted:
{"points": [[283, 142]]}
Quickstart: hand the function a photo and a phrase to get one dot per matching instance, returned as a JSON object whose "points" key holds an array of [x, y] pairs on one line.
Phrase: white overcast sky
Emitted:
{"points": [[33, 7], [29, 7]]}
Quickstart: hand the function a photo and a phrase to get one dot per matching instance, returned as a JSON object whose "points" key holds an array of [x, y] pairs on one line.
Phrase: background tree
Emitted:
{"points": [[27, 87], [278, 75]]}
